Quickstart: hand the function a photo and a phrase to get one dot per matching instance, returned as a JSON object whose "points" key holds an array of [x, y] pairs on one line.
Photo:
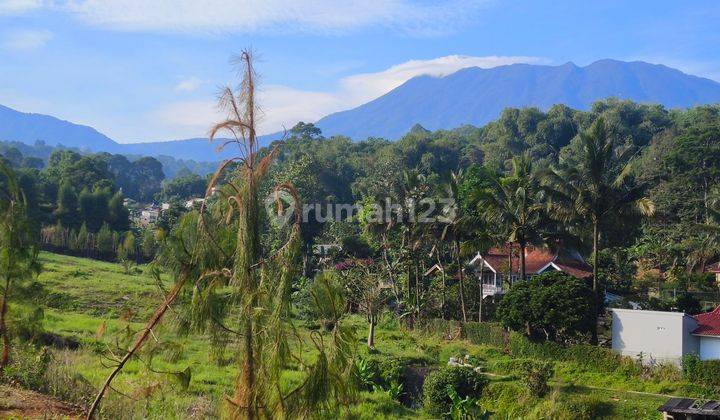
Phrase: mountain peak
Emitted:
{"points": [[476, 96]]}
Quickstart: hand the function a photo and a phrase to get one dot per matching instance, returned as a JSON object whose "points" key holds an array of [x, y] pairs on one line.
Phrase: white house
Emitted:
{"points": [[658, 336], [491, 268]]}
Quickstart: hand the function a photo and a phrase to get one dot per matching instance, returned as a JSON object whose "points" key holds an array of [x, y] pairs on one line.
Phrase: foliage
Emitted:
{"points": [[553, 304], [466, 383], [535, 376], [705, 372]]}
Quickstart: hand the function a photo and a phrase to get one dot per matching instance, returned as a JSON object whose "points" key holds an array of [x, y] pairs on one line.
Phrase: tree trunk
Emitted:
{"points": [[157, 316], [417, 286], [3, 328], [462, 280], [442, 273], [522, 260], [371, 334], [244, 390], [596, 292], [480, 302]]}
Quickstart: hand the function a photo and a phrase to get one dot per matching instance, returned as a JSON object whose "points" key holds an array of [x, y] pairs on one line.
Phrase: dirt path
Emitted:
{"points": [[24, 404]]}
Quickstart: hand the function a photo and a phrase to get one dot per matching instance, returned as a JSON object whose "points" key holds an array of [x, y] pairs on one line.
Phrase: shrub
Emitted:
{"points": [[488, 333], [553, 305], [466, 382], [704, 372], [535, 376], [28, 366]]}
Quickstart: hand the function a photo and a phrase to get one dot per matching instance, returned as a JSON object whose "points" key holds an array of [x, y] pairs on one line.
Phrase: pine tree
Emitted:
{"points": [[67, 205], [18, 250]]}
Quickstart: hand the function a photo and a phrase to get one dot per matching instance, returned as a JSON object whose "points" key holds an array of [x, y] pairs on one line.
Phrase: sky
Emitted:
{"points": [[150, 70]]}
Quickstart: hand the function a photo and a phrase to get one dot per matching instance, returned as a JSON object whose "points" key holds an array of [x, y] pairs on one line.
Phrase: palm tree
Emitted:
{"points": [[454, 221], [598, 187], [514, 204]]}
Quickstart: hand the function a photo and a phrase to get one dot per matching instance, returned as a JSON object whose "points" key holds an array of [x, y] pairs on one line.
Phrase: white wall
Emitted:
{"points": [[709, 348], [659, 336]]}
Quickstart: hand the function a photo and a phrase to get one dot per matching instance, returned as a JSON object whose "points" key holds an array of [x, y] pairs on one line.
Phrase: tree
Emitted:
{"points": [[454, 221], [261, 282], [18, 251], [105, 243], [149, 244], [184, 186], [67, 205], [514, 205], [600, 186], [147, 176], [126, 251], [118, 216], [555, 304], [367, 292]]}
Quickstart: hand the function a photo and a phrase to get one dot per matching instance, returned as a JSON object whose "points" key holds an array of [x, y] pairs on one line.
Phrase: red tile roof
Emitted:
{"points": [[714, 268], [538, 258], [708, 323]]}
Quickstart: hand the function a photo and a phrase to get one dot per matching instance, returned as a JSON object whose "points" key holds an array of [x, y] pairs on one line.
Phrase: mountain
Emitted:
{"points": [[469, 96], [28, 128], [476, 96]]}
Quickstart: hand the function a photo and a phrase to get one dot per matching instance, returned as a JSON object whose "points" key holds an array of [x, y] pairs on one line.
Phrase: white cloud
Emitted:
{"points": [[26, 40], [363, 87], [188, 85], [283, 106], [19, 6], [246, 16]]}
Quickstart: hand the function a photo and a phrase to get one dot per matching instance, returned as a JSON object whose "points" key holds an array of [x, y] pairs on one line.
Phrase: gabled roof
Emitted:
{"points": [[713, 268], [537, 260], [708, 323]]}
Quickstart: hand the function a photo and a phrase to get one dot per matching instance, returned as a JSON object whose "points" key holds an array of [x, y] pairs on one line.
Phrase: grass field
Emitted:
{"points": [[99, 306]]}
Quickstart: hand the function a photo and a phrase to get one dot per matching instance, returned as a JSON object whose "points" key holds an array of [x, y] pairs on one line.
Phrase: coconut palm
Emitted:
{"points": [[599, 186], [454, 221], [514, 204]]}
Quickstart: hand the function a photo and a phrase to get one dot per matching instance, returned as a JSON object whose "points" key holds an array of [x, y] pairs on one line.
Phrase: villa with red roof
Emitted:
{"points": [[491, 268], [708, 331]]}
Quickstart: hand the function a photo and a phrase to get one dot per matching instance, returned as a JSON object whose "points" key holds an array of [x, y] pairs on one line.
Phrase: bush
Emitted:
{"points": [[535, 376], [466, 382], [704, 372], [592, 357], [488, 333], [553, 305]]}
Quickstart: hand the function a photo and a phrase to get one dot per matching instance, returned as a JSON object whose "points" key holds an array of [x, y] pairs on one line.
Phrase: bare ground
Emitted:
{"points": [[24, 404]]}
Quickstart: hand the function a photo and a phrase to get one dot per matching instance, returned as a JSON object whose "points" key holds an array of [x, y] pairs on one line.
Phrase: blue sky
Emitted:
{"points": [[141, 70]]}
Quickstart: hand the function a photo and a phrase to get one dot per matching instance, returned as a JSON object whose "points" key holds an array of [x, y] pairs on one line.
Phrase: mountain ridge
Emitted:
{"points": [[476, 96], [469, 96]]}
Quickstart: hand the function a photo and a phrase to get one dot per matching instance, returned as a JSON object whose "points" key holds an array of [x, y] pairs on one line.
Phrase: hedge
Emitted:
{"points": [[492, 334], [488, 333]]}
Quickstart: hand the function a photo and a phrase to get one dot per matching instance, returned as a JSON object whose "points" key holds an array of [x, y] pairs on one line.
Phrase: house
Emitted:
{"points": [[194, 202], [708, 332], [658, 336], [149, 216], [492, 267], [714, 269]]}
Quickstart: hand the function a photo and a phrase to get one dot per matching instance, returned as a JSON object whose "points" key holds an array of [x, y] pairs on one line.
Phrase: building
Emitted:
{"points": [[708, 332], [194, 203], [149, 216], [492, 268], [714, 269], [657, 336]]}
